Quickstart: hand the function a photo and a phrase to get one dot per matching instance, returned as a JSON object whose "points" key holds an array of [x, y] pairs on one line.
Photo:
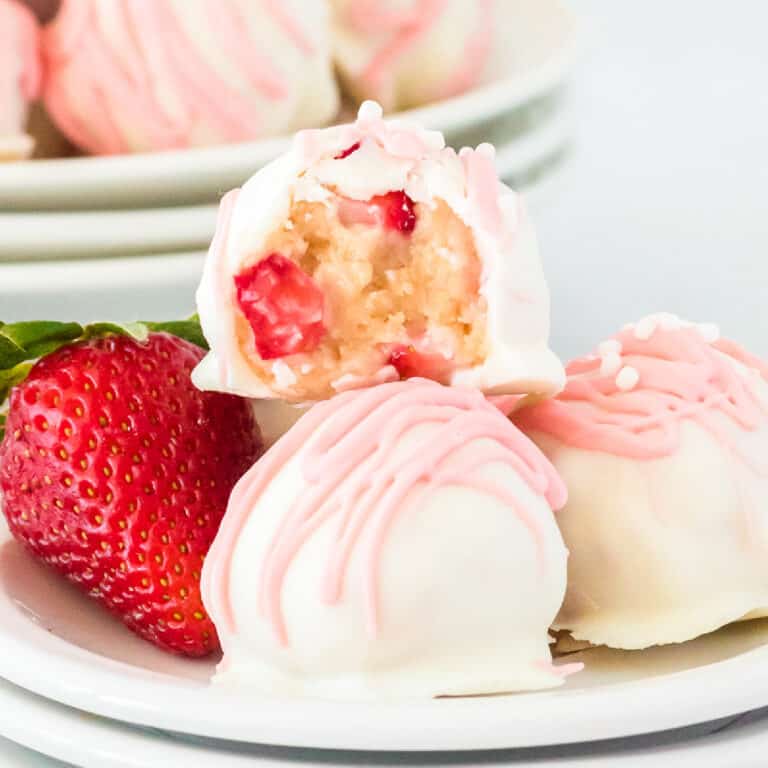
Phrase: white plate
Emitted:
{"points": [[57, 644], [542, 39], [77, 234], [95, 742], [155, 287]]}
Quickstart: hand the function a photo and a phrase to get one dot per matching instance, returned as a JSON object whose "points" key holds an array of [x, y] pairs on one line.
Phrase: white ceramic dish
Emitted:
{"points": [[77, 234], [153, 287], [57, 644], [542, 41], [94, 742]]}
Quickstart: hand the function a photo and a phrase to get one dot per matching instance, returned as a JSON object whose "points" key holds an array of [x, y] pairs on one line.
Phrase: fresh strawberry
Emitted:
{"points": [[348, 151], [397, 211], [283, 305], [411, 363], [116, 471], [394, 211]]}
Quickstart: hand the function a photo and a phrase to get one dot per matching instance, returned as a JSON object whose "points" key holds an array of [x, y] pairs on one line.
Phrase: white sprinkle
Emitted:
{"points": [[709, 332], [307, 217], [284, 376], [645, 328], [627, 378], [609, 347], [370, 110], [288, 225], [610, 364], [669, 322], [307, 368]]}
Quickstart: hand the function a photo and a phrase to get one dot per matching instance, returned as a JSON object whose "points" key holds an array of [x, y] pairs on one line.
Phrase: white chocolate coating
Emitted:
{"points": [[666, 462], [454, 595], [19, 77], [665, 550], [276, 417], [132, 77], [404, 53]]}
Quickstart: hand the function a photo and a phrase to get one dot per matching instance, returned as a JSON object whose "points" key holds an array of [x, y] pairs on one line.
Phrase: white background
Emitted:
{"points": [[664, 203]]}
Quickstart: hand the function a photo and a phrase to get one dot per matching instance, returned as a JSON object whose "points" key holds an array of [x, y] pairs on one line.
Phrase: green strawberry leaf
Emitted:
{"points": [[29, 340], [138, 331], [189, 330], [22, 344]]}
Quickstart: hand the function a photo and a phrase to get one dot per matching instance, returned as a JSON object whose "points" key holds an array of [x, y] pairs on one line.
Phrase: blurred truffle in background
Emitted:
{"points": [[127, 76], [20, 76], [131, 77], [404, 53]]}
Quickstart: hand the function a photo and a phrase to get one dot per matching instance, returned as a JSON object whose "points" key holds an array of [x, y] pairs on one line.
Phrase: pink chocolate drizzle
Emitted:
{"points": [[681, 377], [407, 28], [355, 477], [476, 53], [153, 48]]}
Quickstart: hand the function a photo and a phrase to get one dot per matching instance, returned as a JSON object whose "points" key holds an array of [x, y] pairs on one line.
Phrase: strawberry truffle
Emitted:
{"points": [[20, 73], [662, 439], [397, 541], [369, 253], [125, 76], [404, 53]]}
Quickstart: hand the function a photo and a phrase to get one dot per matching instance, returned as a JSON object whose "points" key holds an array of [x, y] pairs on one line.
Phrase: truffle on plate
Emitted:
{"points": [[662, 440], [124, 76], [397, 541], [404, 53], [368, 253]]}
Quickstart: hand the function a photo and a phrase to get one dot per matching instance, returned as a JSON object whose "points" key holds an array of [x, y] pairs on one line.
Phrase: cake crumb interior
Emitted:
{"points": [[382, 289]]}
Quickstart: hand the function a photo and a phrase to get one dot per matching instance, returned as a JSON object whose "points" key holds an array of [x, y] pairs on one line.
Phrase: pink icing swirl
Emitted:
{"points": [[408, 27], [680, 375], [354, 476], [118, 75]]}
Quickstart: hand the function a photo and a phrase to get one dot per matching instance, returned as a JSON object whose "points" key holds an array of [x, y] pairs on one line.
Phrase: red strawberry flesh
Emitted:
{"points": [[411, 363], [116, 471], [283, 305], [397, 211], [348, 151]]}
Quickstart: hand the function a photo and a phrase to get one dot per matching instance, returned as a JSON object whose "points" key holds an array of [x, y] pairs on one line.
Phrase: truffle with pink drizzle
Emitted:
{"points": [[404, 53], [662, 439], [20, 72], [397, 541], [369, 253], [132, 76]]}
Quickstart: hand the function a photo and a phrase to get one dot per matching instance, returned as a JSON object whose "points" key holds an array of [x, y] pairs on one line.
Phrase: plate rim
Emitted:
{"points": [[123, 745], [35, 659], [514, 158], [85, 175]]}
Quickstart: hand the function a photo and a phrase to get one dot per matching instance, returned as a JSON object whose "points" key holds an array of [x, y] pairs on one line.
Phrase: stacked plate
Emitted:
{"points": [[79, 687], [116, 211]]}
